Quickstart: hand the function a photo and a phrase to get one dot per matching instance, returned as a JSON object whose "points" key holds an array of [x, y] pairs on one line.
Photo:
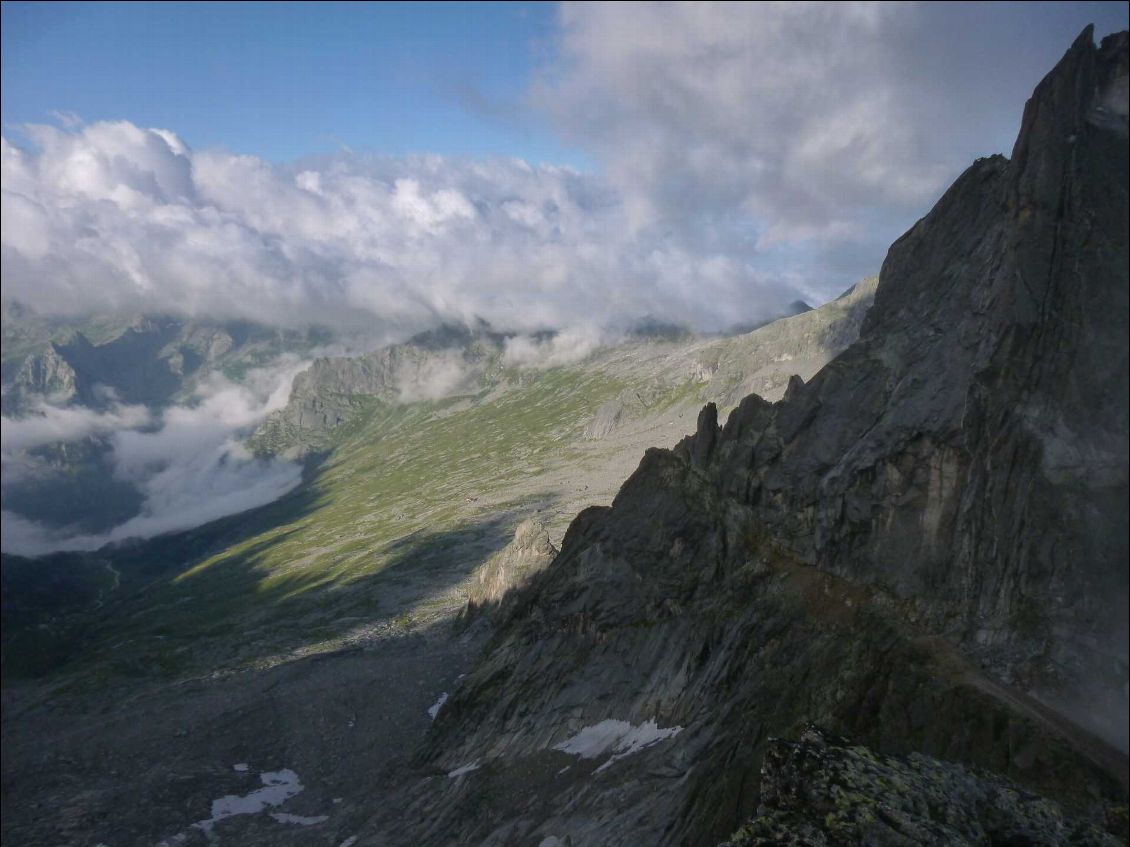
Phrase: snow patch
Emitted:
{"points": [[301, 820], [240, 768], [437, 705], [619, 738], [466, 769], [278, 787]]}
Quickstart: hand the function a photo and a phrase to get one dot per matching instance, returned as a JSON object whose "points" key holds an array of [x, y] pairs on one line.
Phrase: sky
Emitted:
{"points": [[283, 81], [535, 165]]}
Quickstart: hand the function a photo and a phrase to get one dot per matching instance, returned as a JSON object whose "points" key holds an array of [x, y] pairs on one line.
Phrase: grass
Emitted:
{"points": [[408, 501]]}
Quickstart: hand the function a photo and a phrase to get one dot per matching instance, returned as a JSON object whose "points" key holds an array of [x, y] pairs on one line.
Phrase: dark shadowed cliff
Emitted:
{"points": [[925, 547]]}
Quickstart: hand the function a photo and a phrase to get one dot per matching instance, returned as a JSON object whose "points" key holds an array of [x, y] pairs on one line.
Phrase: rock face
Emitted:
{"points": [[970, 451], [823, 791], [904, 549], [510, 568], [47, 375], [450, 360]]}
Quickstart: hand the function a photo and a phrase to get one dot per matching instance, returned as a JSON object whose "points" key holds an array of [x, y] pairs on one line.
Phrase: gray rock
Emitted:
{"points": [[46, 375], [334, 389], [510, 568], [930, 530], [821, 790]]}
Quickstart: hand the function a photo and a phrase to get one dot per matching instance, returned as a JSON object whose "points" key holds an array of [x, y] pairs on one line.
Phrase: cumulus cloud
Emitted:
{"points": [[189, 465], [111, 216], [751, 155]]}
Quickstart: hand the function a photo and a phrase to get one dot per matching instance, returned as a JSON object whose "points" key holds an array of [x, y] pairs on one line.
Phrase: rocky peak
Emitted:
{"points": [[906, 548], [969, 451]]}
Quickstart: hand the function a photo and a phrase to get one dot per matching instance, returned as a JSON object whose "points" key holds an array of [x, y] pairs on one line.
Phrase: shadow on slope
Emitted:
{"points": [[206, 599]]}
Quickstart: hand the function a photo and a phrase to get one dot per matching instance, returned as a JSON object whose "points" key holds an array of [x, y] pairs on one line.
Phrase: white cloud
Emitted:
{"points": [[112, 216], [801, 136], [190, 466], [46, 424], [752, 154], [562, 348]]}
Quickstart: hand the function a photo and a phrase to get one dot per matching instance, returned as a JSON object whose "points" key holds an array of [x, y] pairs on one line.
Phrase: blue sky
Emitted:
{"points": [[581, 165], [287, 80], [284, 80]]}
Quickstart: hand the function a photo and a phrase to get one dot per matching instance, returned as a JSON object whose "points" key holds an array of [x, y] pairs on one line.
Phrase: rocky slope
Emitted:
{"points": [[459, 361], [821, 790], [924, 547], [152, 360], [259, 632], [860, 554]]}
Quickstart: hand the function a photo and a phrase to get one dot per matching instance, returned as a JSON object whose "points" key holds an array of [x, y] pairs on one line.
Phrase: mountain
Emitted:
{"points": [[151, 360], [406, 515], [911, 534], [499, 444], [924, 547], [95, 366], [458, 361]]}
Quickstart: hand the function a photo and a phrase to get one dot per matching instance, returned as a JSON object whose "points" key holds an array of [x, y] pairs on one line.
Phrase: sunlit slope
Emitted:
{"points": [[377, 540], [406, 501]]}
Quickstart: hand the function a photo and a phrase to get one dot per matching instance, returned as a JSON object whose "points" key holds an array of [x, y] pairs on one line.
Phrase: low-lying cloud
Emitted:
{"points": [[47, 424], [750, 155], [188, 463], [112, 216], [561, 348]]}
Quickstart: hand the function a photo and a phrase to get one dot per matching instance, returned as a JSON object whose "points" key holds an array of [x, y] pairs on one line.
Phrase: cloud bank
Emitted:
{"points": [[188, 463], [750, 155], [111, 216], [47, 424], [799, 136]]}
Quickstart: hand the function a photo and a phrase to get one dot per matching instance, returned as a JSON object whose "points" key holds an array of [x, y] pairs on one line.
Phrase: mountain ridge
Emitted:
{"points": [[920, 546], [911, 498]]}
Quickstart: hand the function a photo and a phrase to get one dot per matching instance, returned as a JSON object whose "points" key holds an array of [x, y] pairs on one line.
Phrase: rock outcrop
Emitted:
{"points": [[923, 547], [46, 375], [821, 790], [432, 365], [509, 569]]}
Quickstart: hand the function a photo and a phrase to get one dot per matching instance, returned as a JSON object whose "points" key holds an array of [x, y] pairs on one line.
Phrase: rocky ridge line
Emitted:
{"points": [[903, 547]]}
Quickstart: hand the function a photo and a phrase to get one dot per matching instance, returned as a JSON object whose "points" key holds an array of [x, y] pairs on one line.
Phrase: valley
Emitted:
{"points": [[855, 576], [357, 576]]}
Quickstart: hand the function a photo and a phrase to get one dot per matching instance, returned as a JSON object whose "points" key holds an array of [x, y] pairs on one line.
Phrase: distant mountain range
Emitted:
{"points": [[151, 360]]}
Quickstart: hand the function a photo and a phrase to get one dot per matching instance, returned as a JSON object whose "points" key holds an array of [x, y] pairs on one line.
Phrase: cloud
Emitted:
{"points": [[802, 136], [752, 155], [562, 348], [46, 424], [110, 216], [67, 119], [437, 376], [190, 465]]}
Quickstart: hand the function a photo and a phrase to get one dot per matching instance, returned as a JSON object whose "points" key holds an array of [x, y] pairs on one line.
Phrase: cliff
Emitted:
{"points": [[924, 547]]}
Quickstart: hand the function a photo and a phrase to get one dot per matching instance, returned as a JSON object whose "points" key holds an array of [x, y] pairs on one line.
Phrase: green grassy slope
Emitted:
{"points": [[377, 538], [389, 522]]}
